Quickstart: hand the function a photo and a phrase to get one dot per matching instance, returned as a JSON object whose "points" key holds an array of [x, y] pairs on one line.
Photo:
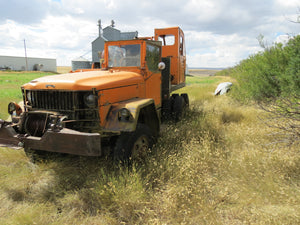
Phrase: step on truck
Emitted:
{"points": [[122, 104]]}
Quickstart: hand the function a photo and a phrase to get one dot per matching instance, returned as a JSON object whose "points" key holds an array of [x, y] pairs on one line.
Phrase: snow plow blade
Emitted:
{"points": [[8, 135], [66, 141], [63, 141]]}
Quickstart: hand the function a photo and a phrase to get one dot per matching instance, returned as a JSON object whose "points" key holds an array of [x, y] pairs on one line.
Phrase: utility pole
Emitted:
{"points": [[26, 56]]}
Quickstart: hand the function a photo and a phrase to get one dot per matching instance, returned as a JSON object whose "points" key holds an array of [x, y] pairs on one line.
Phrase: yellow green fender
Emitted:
{"points": [[124, 116]]}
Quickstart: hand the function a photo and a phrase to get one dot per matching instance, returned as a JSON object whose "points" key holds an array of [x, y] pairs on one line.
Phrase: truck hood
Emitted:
{"points": [[85, 80]]}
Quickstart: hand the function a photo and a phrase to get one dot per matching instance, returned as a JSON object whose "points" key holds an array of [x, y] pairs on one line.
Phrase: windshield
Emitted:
{"points": [[124, 55]]}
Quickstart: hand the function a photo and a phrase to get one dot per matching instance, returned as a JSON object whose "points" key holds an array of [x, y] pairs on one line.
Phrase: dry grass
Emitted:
{"points": [[217, 166], [63, 69]]}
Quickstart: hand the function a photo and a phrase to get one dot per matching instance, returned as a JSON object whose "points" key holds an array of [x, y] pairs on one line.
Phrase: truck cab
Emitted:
{"points": [[141, 57]]}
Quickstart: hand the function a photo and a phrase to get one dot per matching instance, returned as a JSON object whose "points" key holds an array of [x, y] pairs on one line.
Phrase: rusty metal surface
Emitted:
{"points": [[8, 135], [66, 141]]}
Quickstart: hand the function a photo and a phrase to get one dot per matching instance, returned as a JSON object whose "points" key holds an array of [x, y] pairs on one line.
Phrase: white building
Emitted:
{"points": [[19, 63]]}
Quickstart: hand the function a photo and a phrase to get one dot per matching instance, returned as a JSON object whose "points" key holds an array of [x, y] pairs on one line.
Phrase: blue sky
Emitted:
{"points": [[219, 33]]}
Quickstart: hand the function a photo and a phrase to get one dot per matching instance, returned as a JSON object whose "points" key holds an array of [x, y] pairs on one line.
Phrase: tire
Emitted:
{"points": [[174, 96], [178, 108], [166, 109], [133, 146], [186, 99]]}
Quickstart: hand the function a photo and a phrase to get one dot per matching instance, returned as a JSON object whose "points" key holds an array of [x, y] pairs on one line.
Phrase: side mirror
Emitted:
{"points": [[14, 107], [161, 66]]}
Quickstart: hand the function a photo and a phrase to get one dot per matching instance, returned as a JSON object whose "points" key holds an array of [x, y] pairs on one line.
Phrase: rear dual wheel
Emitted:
{"points": [[180, 104], [186, 100]]}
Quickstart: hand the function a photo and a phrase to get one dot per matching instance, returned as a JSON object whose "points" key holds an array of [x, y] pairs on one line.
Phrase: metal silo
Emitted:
{"points": [[81, 63]]}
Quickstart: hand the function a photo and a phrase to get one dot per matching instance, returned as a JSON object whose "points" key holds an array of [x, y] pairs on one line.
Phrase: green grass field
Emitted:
{"points": [[10, 87], [219, 165]]}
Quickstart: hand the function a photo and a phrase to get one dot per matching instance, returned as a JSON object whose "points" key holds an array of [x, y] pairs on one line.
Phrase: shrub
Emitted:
{"points": [[290, 79], [269, 74], [273, 76]]}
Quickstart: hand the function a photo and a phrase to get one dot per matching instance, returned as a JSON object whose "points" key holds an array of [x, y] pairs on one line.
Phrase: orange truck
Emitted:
{"points": [[120, 105]]}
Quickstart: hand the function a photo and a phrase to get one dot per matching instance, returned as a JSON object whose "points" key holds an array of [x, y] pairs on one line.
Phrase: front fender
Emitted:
{"points": [[115, 124]]}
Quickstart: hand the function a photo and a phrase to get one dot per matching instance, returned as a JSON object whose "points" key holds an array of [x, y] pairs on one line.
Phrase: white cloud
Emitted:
{"points": [[203, 11], [283, 38], [288, 3], [219, 33], [211, 50]]}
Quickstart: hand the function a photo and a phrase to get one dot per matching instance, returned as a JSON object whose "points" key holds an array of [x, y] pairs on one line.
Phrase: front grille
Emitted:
{"points": [[71, 104], [54, 100]]}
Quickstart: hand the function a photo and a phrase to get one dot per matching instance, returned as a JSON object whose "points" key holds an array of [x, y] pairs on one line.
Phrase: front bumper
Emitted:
{"points": [[63, 141]]}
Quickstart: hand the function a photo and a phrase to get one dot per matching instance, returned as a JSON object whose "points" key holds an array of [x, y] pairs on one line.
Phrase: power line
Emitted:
{"points": [[26, 56], [86, 53]]}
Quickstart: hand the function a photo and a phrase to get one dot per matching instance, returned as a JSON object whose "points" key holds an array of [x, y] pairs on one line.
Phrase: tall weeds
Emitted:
{"points": [[216, 166]]}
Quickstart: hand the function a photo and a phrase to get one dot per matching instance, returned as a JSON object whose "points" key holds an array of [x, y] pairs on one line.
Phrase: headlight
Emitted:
{"points": [[14, 108], [11, 108], [90, 100], [124, 114]]}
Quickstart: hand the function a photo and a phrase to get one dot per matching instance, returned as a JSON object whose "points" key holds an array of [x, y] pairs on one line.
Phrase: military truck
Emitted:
{"points": [[120, 105]]}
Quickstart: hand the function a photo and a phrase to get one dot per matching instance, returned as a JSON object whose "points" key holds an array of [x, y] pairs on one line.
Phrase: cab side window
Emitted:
{"points": [[152, 57], [167, 39], [182, 47]]}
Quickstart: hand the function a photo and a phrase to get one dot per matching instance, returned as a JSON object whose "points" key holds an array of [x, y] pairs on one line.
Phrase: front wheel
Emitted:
{"points": [[134, 146]]}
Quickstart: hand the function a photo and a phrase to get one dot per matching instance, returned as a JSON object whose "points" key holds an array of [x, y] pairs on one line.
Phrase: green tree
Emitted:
{"points": [[290, 79]]}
